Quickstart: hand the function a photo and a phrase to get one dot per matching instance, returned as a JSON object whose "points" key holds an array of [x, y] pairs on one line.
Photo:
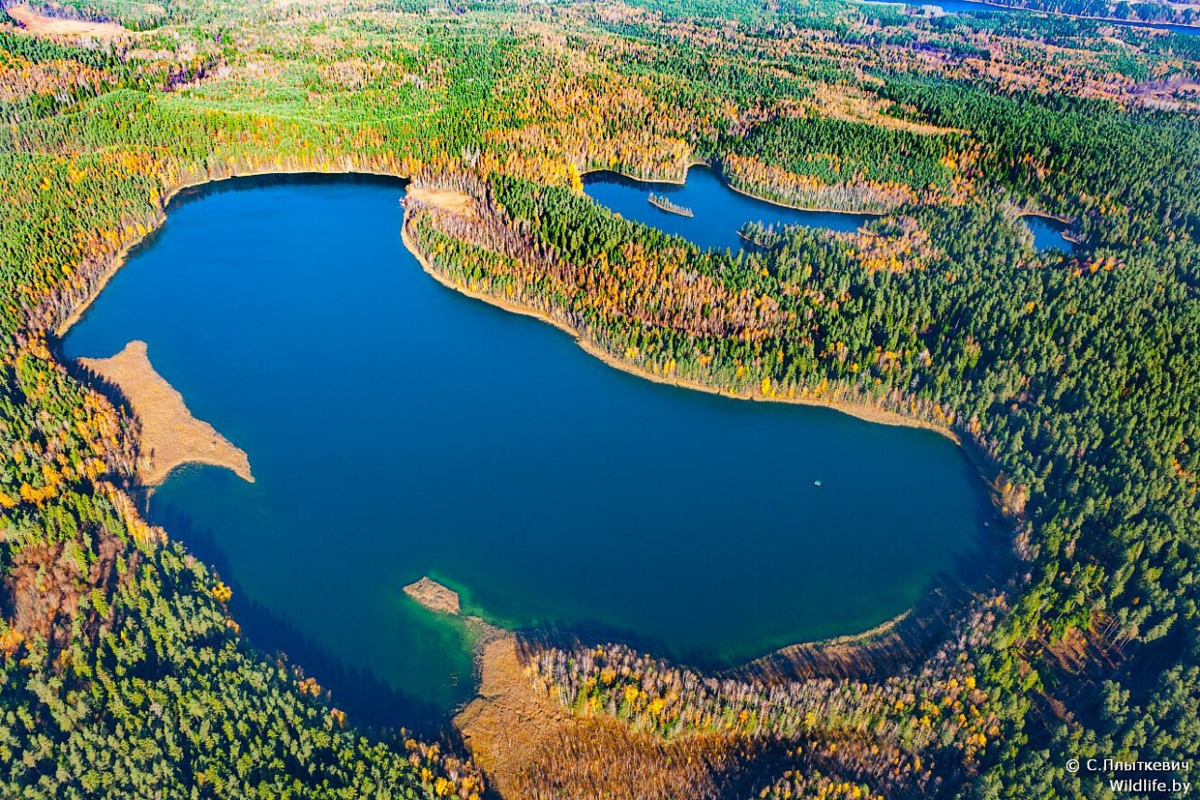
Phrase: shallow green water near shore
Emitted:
{"points": [[398, 429]]}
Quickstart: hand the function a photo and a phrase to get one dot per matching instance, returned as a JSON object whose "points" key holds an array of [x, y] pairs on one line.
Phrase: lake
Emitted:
{"points": [[976, 7], [397, 429], [719, 211], [1048, 234]]}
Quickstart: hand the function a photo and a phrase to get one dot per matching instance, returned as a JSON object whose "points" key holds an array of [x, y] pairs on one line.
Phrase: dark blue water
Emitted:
{"points": [[1048, 234], [719, 211], [970, 7], [397, 429]]}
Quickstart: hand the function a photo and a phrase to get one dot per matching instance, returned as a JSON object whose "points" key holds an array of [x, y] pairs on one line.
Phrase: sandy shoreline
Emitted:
{"points": [[434, 596]]}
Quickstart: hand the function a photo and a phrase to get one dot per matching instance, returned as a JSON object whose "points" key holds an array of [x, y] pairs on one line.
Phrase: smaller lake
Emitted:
{"points": [[1048, 234], [973, 7], [720, 212]]}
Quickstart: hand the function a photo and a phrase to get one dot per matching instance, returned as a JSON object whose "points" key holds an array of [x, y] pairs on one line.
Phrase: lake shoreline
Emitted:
{"points": [[1068, 223], [864, 411], [1047, 215], [876, 647], [1192, 30], [812, 209], [728, 184], [118, 259], [121, 256], [699, 162]]}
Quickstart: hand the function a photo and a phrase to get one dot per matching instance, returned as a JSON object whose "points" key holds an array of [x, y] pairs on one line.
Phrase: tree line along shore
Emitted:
{"points": [[1072, 375]]}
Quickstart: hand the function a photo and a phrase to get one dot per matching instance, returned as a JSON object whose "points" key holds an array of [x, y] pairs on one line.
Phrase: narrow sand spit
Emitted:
{"points": [[170, 435]]}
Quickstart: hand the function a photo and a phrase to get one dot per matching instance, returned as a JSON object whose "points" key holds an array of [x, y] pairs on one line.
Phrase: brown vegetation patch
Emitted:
{"points": [[170, 435], [1094, 652], [452, 200], [532, 748], [42, 25], [20, 78], [434, 596], [1076, 665], [895, 244], [1168, 94], [45, 583], [856, 105]]}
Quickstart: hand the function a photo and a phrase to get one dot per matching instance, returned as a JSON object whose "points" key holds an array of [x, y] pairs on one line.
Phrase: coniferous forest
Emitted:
{"points": [[1071, 378]]}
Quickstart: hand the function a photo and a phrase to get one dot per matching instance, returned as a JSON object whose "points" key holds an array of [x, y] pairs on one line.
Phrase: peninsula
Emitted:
{"points": [[170, 436], [662, 203]]}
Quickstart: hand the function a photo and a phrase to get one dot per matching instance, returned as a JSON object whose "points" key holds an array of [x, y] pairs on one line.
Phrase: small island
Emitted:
{"points": [[434, 596], [441, 599], [662, 203]]}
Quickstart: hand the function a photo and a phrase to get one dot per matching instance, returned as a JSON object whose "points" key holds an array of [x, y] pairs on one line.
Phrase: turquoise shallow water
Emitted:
{"points": [[397, 429]]}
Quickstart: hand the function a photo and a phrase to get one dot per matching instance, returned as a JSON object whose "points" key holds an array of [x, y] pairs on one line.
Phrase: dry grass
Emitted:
{"points": [[532, 748], [434, 596], [856, 105], [170, 435], [507, 723], [451, 200], [41, 25]]}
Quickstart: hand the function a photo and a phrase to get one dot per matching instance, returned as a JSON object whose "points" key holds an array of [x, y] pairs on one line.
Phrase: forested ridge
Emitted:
{"points": [[1072, 377]]}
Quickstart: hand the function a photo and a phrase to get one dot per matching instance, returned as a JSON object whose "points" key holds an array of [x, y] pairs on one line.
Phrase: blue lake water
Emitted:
{"points": [[1048, 234], [719, 211], [970, 7], [398, 429]]}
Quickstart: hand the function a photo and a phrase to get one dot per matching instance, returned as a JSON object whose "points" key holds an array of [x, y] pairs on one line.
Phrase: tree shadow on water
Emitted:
{"points": [[901, 643], [369, 702]]}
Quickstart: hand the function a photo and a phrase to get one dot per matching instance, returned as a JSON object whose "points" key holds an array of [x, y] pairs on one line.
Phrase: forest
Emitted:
{"points": [[1071, 378]]}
